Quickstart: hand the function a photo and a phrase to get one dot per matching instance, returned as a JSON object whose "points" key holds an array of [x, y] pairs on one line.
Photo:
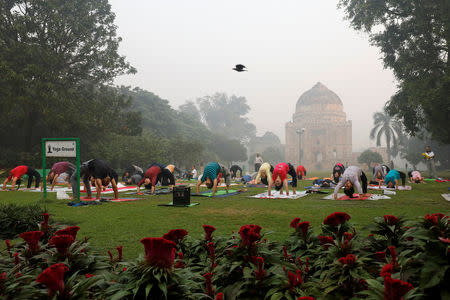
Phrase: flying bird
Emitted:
{"points": [[240, 68]]}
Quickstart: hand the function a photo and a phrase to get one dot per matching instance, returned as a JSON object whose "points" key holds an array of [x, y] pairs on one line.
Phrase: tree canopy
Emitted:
{"points": [[414, 39], [369, 157]]}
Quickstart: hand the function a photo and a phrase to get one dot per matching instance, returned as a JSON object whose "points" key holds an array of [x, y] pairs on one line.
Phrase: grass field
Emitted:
{"points": [[113, 224]]}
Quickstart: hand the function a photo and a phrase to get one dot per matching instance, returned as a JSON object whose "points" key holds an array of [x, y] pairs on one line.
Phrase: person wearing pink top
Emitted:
{"points": [[415, 177]]}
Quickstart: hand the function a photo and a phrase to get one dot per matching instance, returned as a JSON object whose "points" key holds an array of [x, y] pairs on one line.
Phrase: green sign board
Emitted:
{"points": [[61, 147]]}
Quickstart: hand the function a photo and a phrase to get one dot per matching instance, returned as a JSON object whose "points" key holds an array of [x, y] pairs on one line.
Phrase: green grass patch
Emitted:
{"points": [[112, 224]]}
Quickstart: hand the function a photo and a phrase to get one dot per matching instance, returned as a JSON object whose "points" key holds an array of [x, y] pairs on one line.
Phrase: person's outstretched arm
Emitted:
{"points": [[214, 187], [54, 181], [199, 182], [270, 186], [5, 182], [114, 186], [286, 187]]}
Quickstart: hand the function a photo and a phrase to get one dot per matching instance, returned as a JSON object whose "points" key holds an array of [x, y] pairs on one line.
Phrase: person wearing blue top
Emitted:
{"points": [[391, 179], [211, 174]]}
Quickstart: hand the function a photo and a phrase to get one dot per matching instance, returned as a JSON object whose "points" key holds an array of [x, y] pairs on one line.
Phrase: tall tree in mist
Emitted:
{"points": [[386, 126], [226, 115], [56, 59], [414, 39]]}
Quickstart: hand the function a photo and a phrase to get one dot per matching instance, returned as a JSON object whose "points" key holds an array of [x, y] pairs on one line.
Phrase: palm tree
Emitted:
{"points": [[390, 128]]}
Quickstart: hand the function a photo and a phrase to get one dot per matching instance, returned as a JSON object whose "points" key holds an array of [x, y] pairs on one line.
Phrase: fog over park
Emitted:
{"points": [[184, 50]]}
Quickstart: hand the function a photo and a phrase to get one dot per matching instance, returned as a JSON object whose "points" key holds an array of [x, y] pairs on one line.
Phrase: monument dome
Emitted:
{"points": [[319, 135]]}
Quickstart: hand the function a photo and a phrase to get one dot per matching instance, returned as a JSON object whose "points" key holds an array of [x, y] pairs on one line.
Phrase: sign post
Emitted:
{"points": [[61, 147]]}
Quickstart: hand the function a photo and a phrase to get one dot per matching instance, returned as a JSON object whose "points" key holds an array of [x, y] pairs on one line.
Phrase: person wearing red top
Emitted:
{"points": [[279, 178], [150, 177], [18, 172], [301, 171]]}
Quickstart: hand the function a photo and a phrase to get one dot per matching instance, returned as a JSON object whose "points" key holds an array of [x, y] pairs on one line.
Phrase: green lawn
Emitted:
{"points": [[113, 224]]}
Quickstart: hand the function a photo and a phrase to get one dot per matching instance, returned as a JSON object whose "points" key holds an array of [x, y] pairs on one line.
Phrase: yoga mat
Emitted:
{"points": [[111, 199], [430, 179], [219, 194], [111, 191], [313, 187], [383, 187], [355, 197], [442, 180], [340, 196], [446, 196], [277, 195], [164, 191], [185, 205], [252, 185], [83, 203], [220, 185]]}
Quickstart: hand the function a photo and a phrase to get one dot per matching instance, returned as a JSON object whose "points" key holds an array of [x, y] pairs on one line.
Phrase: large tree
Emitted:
{"points": [[226, 115], [56, 57], [414, 39], [386, 126]]}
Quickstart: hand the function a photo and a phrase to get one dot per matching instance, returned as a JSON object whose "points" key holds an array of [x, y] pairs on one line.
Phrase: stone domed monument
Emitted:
{"points": [[319, 135]]}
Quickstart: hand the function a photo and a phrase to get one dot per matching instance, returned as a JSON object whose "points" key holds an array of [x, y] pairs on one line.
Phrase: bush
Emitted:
{"points": [[394, 262], [15, 219]]}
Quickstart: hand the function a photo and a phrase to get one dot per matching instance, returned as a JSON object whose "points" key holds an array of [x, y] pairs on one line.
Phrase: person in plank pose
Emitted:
{"points": [[415, 177], [301, 172], [16, 174], [337, 172], [58, 169], [351, 178], [234, 169], [132, 175], [211, 174], [102, 175], [279, 178], [391, 179], [157, 173], [264, 175]]}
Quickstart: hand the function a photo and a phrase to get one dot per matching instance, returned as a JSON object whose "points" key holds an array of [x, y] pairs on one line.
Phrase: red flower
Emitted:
{"points": [[381, 255], [387, 270], [44, 225], [208, 231], [303, 226], [111, 258], [336, 218], [325, 241], [395, 289], [124, 269], [294, 279], [16, 258], [434, 218], [159, 252], [209, 287], [250, 234], [53, 278], [285, 253], [294, 223], [447, 241], [219, 296], [89, 275], [175, 235], [119, 251], [62, 242], [393, 255], [32, 239], [260, 274], [307, 265], [8, 245], [72, 230], [212, 251], [305, 298], [348, 236], [350, 260], [390, 219]]}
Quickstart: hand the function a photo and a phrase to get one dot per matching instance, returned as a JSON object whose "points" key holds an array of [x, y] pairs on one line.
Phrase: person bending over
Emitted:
{"points": [[16, 174], [351, 178], [264, 175], [131, 171], [102, 175], [211, 174], [166, 177], [415, 177], [58, 169], [301, 172], [337, 172], [378, 174], [279, 178], [392, 178], [234, 169], [151, 177]]}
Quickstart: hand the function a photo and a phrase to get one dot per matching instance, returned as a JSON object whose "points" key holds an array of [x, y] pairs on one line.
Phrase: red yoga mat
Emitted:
{"points": [[355, 197]]}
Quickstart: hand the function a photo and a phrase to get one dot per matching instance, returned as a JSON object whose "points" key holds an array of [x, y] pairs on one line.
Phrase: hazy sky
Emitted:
{"points": [[186, 49]]}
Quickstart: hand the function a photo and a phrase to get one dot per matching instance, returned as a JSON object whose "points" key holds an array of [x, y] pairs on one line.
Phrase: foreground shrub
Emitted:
{"points": [[394, 262], [15, 219]]}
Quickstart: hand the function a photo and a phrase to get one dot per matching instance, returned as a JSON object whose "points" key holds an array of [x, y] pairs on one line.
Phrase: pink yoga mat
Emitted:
{"points": [[356, 197]]}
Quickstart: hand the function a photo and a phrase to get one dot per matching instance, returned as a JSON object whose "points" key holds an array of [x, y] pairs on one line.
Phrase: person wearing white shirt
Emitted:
{"points": [[429, 159], [258, 162]]}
